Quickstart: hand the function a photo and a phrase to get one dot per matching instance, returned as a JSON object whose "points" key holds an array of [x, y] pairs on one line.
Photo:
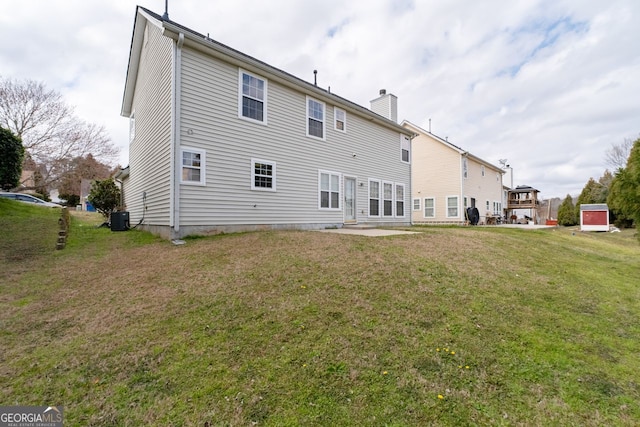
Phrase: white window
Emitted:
{"points": [[498, 177], [315, 118], [497, 208], [253, 97], [132, 127], [452, 207], [193, 166], [400, 200], [340, 119], [429, 207], [482, 170], [263, 175], [329, 190], [465, 171], [374, 197], [488, 205], [416, 205], [387, 192], [405, 147]]}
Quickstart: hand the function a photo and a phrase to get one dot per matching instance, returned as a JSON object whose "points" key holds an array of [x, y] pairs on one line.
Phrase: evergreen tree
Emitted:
{"points": [[566, 212], [105, 196], [11, 156]]}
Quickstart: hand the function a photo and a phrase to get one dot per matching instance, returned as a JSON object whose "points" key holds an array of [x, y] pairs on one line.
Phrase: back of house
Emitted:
{"points": [[222, 142]]}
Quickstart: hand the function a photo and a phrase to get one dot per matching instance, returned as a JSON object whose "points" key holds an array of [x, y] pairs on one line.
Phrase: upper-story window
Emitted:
{"points": [[405, 146], [465, 171], [340, 119], [253, 97], [482, 170], [315, 118], [132, 127]]}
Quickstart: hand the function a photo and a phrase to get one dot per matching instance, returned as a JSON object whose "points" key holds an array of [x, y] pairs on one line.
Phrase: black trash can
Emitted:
{"points": [[119, 221]]}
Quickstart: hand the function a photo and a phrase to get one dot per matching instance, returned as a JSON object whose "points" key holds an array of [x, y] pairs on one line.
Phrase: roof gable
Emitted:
{"points": [[216, 49]]}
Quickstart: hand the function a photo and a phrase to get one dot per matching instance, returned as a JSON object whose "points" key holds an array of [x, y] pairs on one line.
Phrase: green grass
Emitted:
{"points": [[508, 327]]}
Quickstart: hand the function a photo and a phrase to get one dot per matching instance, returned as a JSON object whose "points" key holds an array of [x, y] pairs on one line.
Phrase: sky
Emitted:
{"points": [[548, 85]]}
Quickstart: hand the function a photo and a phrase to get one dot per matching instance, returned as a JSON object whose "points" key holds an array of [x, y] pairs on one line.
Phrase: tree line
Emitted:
{"points": [[40, 133], [620, 190]]}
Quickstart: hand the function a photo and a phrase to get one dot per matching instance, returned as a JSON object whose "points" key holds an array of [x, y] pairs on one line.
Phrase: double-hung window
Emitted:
{"points": [[329, 190], [340, 119], [132, 127], [405, 147], [429, 207], [400, 200], [452, 207], [263, 175], [193, 166], [374, 197], [315, 118], [416, 205], [253, 97], [387, 192]]}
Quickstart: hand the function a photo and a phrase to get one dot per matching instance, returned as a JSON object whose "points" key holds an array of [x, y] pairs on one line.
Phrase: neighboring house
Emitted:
{"points": [[447, 179], [222, 142]]}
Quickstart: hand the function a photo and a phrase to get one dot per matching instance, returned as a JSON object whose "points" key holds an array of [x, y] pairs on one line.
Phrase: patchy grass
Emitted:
{"points": [[452, 326]]}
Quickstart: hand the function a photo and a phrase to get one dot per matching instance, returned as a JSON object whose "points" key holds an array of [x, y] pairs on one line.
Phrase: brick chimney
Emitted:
{"points": [[386, 105]]}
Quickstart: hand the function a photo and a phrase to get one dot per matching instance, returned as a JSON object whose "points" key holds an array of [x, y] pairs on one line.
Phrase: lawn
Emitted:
{"points": [[448, 327]]}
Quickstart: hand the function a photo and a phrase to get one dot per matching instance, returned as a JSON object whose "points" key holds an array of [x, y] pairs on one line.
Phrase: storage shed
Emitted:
{"points": [[594, 217]]}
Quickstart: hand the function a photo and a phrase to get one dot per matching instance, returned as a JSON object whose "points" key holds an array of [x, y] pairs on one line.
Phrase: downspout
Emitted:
{"points": [[174, 202], [463, 157]]}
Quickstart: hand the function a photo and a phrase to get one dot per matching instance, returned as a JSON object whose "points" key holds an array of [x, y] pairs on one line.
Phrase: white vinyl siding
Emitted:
{"points": [[150, 149], [315, 118], [263, 175], [252, 94], [429, 207], [452, 207]]}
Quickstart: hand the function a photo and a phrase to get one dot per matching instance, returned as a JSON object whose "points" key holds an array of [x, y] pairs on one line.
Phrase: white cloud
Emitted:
{"points": [[549, 85]]}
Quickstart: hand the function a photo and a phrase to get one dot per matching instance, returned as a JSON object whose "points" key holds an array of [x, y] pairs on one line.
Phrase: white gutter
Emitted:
{"points": [[174, 185]]}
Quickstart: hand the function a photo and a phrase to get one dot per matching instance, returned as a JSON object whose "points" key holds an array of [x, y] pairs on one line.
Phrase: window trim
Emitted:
{"points": [[337, 110], [404, 201], [404, 139], [241, 96], [324, 118], [482, 170], [457, 206], [413, 204], [202, 168], [379, 182], [424, 211], [132, 127], [253, 175], [330, 173]]}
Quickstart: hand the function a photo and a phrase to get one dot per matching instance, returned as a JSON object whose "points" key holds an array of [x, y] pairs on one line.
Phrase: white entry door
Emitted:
{"points": [[349, 199]]}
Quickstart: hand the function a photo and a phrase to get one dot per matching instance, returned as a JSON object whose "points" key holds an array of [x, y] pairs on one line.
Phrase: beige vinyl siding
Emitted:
{"points": [[436, 174], [149, 153], [483, 188], [209, 109]]}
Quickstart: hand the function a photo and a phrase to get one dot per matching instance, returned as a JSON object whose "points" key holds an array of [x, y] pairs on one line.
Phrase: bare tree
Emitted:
{"points": [[50, 131], [618, 154]]}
